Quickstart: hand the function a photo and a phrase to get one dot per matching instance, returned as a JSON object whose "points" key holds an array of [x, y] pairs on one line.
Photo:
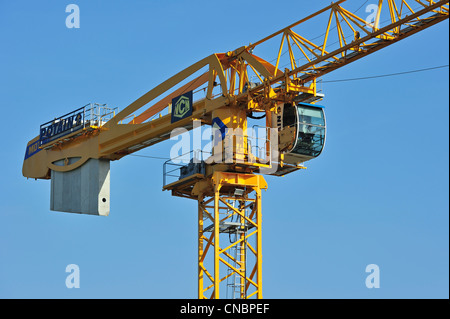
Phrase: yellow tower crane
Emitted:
{"points": [[227, 180]]}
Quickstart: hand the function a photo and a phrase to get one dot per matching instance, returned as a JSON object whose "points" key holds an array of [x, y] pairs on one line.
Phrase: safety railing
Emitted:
{"points": [[98, 114], [232, 149], [184, 165], [91, 115], [248, 149]]}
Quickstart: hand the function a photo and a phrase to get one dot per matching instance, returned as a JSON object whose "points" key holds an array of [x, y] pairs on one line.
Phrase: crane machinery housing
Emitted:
{"points": [[223, 91]]}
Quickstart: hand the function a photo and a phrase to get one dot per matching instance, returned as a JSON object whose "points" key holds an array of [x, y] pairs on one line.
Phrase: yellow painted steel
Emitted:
{"points": [[115, 139], [225, 79], [234, 145], [248, 213]]}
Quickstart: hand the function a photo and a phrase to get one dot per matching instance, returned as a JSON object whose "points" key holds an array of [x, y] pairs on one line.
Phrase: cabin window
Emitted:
{"points": [[311, 131]]}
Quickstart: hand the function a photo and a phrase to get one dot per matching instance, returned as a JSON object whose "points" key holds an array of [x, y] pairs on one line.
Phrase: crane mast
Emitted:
{"points": [[237, 86]]}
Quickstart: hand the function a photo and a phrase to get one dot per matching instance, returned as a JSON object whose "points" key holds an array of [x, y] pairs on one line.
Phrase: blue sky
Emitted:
{"points": [[377, 195]]}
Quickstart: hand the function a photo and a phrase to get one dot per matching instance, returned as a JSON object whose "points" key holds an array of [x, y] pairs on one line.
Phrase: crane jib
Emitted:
{"points": [[227, 176]]}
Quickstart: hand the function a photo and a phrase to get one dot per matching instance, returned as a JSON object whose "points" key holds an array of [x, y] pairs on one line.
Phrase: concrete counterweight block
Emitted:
{"points": [[84, 190]]}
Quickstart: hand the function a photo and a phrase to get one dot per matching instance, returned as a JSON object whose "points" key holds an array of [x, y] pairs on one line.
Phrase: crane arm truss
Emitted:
{"points": [[225, 77], [233, 70], [229, 203], [364, 39]]}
